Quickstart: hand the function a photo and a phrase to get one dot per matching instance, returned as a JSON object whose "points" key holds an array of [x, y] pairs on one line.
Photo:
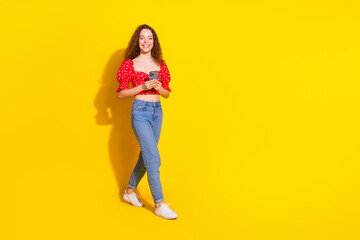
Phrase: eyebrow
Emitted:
{"points": [[144, 36]]}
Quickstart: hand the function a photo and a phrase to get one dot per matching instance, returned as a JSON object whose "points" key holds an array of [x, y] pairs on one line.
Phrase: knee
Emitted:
{"points": [[154, 167]]}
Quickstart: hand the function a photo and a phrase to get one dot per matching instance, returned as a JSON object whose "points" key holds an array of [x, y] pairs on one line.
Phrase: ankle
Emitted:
{"points": [[129, 190], [158, 204]]}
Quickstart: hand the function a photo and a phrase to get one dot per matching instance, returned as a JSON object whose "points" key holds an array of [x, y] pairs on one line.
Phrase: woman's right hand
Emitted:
{"points": [[147, 85]]}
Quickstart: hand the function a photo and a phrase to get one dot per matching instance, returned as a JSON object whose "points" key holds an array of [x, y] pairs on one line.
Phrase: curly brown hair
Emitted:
{"points": [[133, 49]]}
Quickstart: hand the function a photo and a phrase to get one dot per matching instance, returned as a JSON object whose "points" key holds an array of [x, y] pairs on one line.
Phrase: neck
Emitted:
{"points": [[145, 57]]}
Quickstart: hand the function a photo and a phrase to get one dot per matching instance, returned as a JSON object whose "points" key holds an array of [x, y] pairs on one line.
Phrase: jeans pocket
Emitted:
{"points": [[140, 108]]}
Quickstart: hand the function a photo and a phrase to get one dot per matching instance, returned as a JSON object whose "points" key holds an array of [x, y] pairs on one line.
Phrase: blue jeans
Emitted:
{"points": [[146, 121]]}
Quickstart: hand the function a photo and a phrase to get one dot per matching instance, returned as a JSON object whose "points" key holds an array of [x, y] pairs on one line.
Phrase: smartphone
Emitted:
{"points": [[153, 75]]}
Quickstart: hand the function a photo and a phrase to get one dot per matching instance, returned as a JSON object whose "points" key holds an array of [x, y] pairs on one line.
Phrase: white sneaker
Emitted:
{"points": [[132, 198], [165, 212]]}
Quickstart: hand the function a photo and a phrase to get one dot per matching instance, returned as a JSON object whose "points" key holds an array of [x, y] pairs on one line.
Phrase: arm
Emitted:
{"points": [[163, 87], [124, 93], [162, 91]]}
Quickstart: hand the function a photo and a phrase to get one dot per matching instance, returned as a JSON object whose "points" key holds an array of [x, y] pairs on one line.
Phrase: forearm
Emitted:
{"points": [[130, 92], [134, 91], [163, 92]]}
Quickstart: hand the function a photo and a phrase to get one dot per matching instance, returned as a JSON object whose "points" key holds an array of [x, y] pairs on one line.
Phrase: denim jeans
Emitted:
{"points": [[146, 121]]}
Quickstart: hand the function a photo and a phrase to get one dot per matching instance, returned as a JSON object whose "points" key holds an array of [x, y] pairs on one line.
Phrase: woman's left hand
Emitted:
{"points": [[157, 85]]}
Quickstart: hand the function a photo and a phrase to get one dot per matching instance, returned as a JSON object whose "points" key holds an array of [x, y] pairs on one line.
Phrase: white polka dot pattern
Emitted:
{"points": [[127, 74]]}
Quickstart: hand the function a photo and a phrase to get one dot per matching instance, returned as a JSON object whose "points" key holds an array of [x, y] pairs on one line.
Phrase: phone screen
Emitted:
{"points": [[153, 75]]}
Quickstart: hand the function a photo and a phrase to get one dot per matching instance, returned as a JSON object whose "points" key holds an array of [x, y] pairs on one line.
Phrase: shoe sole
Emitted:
{"points": [[165, 217]]}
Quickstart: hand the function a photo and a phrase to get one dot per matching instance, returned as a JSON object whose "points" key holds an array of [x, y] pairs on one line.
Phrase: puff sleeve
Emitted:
{"points": [[124, 75], [165, 77]]}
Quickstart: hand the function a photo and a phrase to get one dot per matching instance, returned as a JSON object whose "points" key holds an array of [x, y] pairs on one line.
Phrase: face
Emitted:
{"points": [[146, 40]]}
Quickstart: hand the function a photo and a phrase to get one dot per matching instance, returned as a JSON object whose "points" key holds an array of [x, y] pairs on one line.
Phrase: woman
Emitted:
{"points": [[143, 55]]}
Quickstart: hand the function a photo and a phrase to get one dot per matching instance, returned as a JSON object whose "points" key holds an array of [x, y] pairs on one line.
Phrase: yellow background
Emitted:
{"points": [[260, 137]]}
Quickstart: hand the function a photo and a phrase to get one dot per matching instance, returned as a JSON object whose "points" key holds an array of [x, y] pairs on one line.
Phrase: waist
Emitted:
{"points": [[148, 97], [146, 103]]}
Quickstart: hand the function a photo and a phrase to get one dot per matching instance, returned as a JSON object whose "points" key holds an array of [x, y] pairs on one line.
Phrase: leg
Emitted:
{"points": [[140, 169], [157, 123], [138, 173], [144, 132]]}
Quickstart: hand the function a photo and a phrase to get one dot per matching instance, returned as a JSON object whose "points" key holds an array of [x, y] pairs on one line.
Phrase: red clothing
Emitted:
{"points": [[127, 74]]}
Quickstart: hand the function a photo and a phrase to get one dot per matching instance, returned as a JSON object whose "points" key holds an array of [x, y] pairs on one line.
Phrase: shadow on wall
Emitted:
{"points": [[122, 146]]}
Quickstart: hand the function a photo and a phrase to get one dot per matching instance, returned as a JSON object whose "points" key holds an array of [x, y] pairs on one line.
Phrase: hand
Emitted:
{"points": [[157, 85], [147, 85]]}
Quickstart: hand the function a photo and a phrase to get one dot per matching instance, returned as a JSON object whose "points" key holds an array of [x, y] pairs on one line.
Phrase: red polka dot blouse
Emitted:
{"points": [[127, 74]]}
